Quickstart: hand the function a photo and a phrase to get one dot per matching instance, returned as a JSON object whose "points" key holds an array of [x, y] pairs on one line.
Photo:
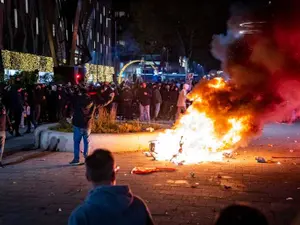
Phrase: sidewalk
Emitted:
{"points": [[13, 143]]}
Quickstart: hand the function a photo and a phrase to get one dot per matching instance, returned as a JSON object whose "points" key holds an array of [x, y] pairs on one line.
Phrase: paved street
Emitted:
{"points": [[44, 189]]}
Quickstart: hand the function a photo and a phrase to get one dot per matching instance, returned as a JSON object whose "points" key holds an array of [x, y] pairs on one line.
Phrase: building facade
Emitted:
{"points": [[56, 33]]}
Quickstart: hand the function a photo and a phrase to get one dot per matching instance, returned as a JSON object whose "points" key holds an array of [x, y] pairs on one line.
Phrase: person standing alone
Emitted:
{"points": [[83, 111]]}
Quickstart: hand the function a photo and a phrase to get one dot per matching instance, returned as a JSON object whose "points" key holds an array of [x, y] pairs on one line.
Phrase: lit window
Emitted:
{"points": [[101, 48], [109, 41], [106, 50], [67, 36], [16, 18], [91, 34], [2, 1], [100, 18], [60, 24], [104, 40], [26, 6], [103, 10], [107, 23], [97, 5], [94, 45], [72, 27], [37, 25], [53, 29], [98, 36], [77, 41]]}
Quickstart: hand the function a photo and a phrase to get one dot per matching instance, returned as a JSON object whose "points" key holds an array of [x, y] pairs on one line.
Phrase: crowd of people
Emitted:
{"points": [[30, 105], [40, 103]]}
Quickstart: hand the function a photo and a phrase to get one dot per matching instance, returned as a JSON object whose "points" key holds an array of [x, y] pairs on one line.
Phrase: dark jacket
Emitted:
{"points": [[3, 116], [111, 205], [126, 95], [156, 96], [83, 110], [144, 99]]}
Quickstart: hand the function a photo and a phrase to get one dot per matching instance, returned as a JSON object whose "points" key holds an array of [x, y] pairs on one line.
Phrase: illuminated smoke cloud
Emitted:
{"points": [[264, 67]]}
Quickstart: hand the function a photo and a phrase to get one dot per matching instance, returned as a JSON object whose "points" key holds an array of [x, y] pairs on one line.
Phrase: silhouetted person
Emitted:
{"points": [[108, 203], [241, 215]]}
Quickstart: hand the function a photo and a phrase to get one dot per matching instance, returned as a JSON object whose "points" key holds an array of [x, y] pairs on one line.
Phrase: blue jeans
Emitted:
{"points": [[2, 143], [145, 113], [78, 134]]}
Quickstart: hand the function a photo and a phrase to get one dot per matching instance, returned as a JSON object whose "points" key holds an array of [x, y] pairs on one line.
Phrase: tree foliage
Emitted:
{"points": [[184, 27]]}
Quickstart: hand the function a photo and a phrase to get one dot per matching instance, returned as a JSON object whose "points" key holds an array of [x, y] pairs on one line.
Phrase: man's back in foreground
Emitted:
{"points": [[107, 203]]}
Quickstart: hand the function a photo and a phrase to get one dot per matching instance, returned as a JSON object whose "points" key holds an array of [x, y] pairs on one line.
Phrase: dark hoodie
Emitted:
{"points": [[83, 110], [111, 205]]}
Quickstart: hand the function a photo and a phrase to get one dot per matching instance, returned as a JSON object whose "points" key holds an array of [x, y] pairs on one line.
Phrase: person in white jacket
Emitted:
{"points": [[181, 102]]}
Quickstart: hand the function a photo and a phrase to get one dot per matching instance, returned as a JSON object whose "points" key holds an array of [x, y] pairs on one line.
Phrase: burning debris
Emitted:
{"points": [[264, 72]]}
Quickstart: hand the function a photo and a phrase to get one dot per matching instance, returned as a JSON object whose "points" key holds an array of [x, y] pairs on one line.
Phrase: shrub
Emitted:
{"points": [[105, 123]]}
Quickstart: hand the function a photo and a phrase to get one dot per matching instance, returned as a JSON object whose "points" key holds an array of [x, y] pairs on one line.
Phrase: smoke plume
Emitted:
{"points": [[263, 62]]}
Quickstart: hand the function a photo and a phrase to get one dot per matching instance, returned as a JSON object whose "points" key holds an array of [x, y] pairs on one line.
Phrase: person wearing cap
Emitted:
{"points": [[83, 111]]}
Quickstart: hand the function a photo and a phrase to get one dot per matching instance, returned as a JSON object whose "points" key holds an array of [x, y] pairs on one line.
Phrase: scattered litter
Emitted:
{"points": [[270, 145], [79, 190], [14, 182], [227, 187], [148, 170], [291, 150], [195, 185], [117, 169], [289, 199], [59, 210], [150, 129], [166, 212], [278, 163], [148, 154], [125, 174], [260, 160]]}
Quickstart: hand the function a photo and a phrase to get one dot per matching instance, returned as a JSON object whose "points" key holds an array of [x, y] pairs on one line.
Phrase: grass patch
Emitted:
{"points": [[105, 123]]}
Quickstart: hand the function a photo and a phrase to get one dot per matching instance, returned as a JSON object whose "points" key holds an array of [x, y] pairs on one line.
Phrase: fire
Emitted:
{"points": [[201, 134]]}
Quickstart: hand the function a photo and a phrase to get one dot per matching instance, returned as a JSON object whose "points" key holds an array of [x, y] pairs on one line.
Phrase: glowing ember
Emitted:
{"points": [[201, 134]]}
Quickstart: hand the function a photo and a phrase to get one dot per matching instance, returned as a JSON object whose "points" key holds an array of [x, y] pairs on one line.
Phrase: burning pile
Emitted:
{"points": [[205, 132], [264, 87]]}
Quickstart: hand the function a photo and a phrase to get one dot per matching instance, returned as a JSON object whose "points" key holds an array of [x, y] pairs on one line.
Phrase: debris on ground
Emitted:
{"points": [[150, 129], [229, 155], [289, 199], [260, 160], [148, 170], [227, 187]]}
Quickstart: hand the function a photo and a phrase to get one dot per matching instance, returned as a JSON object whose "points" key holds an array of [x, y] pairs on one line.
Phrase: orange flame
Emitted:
{"points": [[200, 135]]}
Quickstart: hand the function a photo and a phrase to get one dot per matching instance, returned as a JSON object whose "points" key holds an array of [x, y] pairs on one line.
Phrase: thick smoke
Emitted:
{"points": [[263, 62]]}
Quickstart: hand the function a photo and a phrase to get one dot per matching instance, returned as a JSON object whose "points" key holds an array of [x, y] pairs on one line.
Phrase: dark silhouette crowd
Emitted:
{"points": [[32, 105]]}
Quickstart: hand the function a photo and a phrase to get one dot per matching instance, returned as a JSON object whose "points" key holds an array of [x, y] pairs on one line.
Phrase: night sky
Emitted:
{"points": [[156, 21]]}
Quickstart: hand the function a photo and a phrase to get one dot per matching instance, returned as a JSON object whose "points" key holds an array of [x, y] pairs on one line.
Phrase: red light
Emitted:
{"points": [[77, 76]]}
